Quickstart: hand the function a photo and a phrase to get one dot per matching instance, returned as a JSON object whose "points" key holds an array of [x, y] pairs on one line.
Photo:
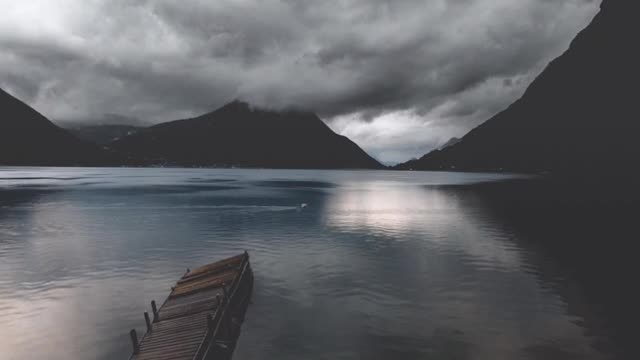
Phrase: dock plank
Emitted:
{"points": [[196, 313]]}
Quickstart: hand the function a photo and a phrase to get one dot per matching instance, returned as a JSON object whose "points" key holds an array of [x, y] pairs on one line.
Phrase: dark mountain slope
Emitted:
{"points": [[450, 142], [102, 134], [579, 115], [239, 135], [28, 138]]}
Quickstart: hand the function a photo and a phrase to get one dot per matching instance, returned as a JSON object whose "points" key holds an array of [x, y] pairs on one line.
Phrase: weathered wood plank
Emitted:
{"points": [[198, 312], [233, 261], [206, 283]]}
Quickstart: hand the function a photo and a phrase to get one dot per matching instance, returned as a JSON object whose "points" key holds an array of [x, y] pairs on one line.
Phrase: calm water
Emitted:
{"points": [[379, 265]]}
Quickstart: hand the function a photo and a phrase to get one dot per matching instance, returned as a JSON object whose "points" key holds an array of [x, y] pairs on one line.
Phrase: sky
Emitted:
{"points": [[399, 77]]}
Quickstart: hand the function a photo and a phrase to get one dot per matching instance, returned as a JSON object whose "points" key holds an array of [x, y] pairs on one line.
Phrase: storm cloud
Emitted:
{"points": [[397, 76]]}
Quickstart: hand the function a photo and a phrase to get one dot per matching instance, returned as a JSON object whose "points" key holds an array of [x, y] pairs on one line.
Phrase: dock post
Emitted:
{"points": [[148, 321], [134, 341], [154, 309]]}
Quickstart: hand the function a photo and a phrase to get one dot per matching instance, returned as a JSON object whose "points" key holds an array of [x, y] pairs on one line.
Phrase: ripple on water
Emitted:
{"points": [[376, 266]]}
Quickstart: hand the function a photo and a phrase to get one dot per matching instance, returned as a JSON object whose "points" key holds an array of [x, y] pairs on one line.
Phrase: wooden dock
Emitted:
{"points": [[201, 318]]}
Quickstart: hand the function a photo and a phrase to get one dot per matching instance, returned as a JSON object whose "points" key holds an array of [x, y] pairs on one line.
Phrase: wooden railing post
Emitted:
{"points": [[154, 309], [134, 341], [148, 321]]}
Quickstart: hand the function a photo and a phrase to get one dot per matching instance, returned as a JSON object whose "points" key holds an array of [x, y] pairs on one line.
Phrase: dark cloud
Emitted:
{"points": [[437, 67]]}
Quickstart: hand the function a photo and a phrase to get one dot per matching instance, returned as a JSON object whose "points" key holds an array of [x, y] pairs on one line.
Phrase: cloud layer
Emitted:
{"points": [[398, 76]]}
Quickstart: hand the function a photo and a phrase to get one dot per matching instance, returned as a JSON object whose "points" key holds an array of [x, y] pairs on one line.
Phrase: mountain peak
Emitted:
{"points": [[242, 106], [237, 105], [240, 134]]}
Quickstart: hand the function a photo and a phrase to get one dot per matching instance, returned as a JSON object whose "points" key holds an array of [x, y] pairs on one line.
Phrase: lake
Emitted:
{"points": [[377, 265]]}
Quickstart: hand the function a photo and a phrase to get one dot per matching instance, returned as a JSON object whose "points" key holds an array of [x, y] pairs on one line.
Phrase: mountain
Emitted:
{"points": [[102, 134], [238, 134], [450, 142], [29, 138], [580, 115]]}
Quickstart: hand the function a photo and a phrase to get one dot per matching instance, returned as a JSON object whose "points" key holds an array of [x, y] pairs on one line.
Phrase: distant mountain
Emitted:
{"points": [[240, 135], [580, 114], [28, 138], [102, 134], [450, 142]]}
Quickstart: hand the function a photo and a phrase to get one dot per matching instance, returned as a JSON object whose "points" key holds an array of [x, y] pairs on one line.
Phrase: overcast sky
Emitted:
{"points": [[399, 77]]}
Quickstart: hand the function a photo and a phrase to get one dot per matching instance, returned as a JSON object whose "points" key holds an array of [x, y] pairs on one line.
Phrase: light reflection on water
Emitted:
{"points": [[379, 265]]}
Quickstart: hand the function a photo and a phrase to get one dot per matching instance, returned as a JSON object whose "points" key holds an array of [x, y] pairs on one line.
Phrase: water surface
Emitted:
{"points": [[377, 265]]}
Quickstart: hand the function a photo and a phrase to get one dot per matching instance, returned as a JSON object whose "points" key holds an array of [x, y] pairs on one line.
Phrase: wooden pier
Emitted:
{"points": [[201, 318]]}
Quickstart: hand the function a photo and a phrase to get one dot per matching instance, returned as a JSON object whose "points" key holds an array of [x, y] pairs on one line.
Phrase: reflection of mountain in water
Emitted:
{"points": [[580, 240]]}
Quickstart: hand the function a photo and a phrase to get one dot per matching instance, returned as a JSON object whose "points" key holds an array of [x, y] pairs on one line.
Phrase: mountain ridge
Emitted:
{"points": [[239, 134], [102, 134], [573, 118], [28, 138]]}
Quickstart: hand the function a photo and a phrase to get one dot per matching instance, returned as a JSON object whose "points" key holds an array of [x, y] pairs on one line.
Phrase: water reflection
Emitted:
{"points": [[428, 213], [472, 281], [377, 266]]}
